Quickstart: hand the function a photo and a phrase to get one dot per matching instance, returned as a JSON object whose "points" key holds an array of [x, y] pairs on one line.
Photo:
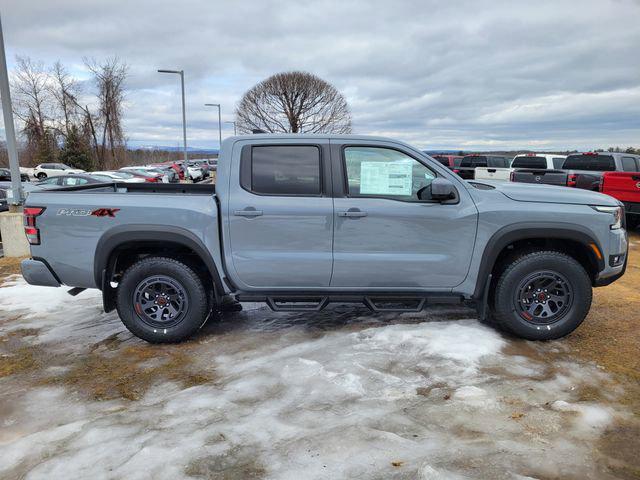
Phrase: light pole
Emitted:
{"points": [[234, 127], [9, 127], [219, 122], [184, 115]]}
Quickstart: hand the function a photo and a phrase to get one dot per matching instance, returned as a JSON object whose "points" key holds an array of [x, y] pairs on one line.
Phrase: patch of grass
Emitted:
{"points": [[610, 336], [22, 360], [10, 266], [129, 372]]}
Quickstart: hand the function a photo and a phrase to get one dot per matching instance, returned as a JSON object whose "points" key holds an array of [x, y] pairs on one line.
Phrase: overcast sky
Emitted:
{"points": [[439, 74]]}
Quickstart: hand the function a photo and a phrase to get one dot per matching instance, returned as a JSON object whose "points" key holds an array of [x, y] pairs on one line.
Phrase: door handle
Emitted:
{"points": [[352, 214], [247, 213]]}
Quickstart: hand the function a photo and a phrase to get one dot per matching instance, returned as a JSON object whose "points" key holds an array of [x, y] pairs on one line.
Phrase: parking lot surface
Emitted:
{"points": [[343, 393]]}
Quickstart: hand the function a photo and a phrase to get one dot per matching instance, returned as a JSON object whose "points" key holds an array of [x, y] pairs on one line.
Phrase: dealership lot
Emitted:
{"points": [[343, 393]]}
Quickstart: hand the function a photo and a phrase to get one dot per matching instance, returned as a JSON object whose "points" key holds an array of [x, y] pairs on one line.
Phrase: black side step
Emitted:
{"points": [[287, 304], [295, 302]]}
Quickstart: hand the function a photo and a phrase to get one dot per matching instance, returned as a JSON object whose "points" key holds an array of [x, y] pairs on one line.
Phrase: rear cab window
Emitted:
{"points": [[472, 161], [282, 170], [529, 162], [595, 162]]}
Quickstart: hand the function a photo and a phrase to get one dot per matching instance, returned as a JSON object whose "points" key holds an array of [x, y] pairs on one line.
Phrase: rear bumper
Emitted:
{"points": [[37, 272]]}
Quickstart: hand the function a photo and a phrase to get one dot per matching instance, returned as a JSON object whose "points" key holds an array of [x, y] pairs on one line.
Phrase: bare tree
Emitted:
{"points": [[65, 91], [293, 102], [34, 108], [109, 77]]}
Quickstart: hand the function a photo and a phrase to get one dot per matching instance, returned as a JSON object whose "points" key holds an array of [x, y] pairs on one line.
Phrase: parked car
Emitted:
{"points": [[194, 172], [45, 170], [70, 180], [146, 176], [29, 172], [625, 186], [204, 165], [165, 174], [111, 176], [294, 226], [545, 161], [450, 161], [173, 165], [584, 170], [469, 163], [5, 175]]}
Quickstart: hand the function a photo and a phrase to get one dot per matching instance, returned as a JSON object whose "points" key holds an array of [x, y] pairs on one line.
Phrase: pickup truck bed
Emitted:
{"points": [[300, 221]]}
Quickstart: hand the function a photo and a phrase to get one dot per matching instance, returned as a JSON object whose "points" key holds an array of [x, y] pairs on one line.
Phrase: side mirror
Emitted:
{"points": [[440, 190]]}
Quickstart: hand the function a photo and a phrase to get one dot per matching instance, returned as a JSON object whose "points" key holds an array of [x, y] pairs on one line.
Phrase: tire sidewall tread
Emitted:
{"points": [[504, 312], [197, 311]]}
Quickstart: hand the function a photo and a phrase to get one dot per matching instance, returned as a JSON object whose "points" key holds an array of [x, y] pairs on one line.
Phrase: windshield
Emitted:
{"points": [[529, 162], [598, 163]]}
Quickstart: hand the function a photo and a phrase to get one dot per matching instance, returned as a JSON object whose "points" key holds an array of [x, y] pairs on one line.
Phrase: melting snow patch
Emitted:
{"points": [[292, 400]]}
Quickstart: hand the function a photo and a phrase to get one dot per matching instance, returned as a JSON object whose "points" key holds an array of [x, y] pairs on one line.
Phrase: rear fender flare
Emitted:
{"points": [[118, 236]]}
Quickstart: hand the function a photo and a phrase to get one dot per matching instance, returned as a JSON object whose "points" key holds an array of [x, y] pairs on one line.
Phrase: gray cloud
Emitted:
{"points": [[472, 74]]}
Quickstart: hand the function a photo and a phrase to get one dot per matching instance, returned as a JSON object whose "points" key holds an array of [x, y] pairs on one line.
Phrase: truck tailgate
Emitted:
{"points": [[542, 176], [493, 173]]}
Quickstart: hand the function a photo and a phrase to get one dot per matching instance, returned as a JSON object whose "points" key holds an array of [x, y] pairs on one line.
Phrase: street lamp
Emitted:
{"points": [[219, 122], [9, 128], [184, 115], [234, 127]]}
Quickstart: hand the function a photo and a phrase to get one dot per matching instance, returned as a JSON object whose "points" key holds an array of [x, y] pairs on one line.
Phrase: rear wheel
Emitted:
{"points": [[542, 295], [162, 300]]}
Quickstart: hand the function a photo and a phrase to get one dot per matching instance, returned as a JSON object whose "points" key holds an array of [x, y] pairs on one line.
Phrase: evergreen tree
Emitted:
{"points": [[75, 151]]}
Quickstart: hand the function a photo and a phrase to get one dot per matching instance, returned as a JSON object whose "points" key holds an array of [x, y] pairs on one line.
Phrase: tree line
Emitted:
{"points": [[61, 122]]}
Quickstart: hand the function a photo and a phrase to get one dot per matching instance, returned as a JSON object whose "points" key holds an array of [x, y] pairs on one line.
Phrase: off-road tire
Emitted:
{"points": [[505, 312], [197, 300]]}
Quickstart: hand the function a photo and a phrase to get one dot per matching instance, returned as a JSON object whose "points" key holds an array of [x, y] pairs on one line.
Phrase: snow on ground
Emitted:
{"points": [[338, 394]]}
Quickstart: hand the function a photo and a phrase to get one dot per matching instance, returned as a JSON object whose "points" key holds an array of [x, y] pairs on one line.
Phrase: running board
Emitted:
{"points": [[376, 303]]}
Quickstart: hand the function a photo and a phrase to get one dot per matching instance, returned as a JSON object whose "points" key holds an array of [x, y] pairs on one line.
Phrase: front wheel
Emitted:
{"points": [[162, 300], [41, 176], [542, 295]]}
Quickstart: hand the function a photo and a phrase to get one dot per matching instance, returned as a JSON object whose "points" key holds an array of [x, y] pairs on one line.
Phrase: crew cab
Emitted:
{"points": [[46, 170], [490, 163], [302, 221], [625, 186]]}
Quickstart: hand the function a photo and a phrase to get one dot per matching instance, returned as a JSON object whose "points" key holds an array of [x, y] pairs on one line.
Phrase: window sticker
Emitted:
{"points": [[386, 178]]}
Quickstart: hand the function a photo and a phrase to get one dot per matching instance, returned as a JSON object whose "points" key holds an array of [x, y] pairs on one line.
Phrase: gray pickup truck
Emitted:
{"points": [[302, 221]]}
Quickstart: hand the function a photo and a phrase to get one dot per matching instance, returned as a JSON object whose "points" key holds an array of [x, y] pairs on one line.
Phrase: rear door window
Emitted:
{"points": [[529, 162], [285, 170], [596, 163], [629, 164], [558, 162]]}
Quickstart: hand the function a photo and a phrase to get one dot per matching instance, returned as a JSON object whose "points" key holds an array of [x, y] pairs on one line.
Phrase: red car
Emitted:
{"points": [[624, 186], [173, 165]]}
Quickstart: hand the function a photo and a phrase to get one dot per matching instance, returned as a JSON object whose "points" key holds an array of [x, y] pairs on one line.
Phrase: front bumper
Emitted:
{"points": [[37, 272], [618, 245]]}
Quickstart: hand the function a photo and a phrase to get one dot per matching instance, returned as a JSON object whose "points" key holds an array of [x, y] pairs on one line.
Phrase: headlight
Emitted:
{"points": [[617, 213]]}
